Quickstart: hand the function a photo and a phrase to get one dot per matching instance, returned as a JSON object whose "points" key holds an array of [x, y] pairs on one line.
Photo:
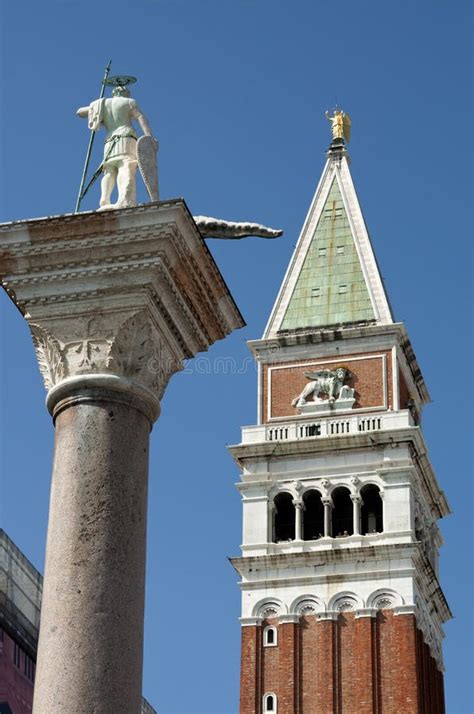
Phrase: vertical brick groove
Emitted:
{"points": [[419, 670], [297, 697], [375, 666], [333, 644], [337, 668]]}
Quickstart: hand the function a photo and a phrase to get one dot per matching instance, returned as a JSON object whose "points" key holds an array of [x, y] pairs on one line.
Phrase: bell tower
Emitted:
{"points": [[342, 610]]}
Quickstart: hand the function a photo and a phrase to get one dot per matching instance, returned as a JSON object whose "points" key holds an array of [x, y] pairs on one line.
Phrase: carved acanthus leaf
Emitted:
{"points": [[131, 348], [49, 355], [138, 353]]}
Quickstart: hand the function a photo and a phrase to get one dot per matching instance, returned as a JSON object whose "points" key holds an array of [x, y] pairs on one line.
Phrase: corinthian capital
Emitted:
{"points": [[93, 345], [118, 298]]}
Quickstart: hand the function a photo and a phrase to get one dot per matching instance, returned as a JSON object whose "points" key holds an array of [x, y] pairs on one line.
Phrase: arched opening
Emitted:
{"points": [[270, 636], [284, 517], [313, 516], [342, 513], [269, 704], [371, 512]]}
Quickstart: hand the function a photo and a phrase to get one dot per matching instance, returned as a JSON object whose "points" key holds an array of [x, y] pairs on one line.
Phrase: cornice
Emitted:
{"points": [[419, 568], [70, 220], [315, 336], [283, 561]]}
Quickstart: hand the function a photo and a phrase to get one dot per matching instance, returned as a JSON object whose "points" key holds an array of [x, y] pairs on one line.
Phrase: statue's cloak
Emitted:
{"points": [[96, 114]]}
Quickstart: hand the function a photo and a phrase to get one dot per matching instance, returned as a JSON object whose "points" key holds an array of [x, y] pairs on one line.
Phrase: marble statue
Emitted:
{"points": [[340, 125], [329, 383], [119, 164], [124, 152]]}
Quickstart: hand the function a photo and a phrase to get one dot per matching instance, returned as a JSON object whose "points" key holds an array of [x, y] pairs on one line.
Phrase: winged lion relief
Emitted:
{"points": [[327, 389]]}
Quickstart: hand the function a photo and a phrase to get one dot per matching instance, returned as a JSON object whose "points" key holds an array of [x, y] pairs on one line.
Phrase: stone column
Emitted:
{"points": [[356, 502], [327, 503], [91, 638], [298, 504], [115, 302]]}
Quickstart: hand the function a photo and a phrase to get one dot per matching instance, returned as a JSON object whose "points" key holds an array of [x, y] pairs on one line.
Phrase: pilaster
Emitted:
{"points": [[288, 666], [250, 675]]}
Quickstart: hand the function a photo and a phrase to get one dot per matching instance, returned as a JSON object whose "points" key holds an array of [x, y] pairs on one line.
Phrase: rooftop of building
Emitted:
{"points": [[21, 587], [20, 594]]}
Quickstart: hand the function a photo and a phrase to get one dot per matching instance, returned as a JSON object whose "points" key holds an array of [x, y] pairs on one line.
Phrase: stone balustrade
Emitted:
{"points": [[327, 427]]}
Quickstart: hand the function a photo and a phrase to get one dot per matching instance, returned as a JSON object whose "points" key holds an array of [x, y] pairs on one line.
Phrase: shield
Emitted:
{"points": [[147, 146]]}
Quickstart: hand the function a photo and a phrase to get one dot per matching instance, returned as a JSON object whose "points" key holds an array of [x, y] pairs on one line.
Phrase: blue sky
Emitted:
{"points": [[235, 91]]}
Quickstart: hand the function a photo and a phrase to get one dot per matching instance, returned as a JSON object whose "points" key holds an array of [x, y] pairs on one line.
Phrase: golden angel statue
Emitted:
{"points": [[340, 125]]}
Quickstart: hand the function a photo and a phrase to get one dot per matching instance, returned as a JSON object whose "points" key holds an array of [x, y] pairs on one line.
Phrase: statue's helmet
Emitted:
{"points": [[120, 91]]}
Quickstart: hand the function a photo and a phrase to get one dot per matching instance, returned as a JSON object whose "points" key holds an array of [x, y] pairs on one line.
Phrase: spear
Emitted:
{"points": [[80, 195]]}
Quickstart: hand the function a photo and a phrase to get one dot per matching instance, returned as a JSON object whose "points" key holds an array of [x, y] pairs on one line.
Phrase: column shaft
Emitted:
{"points": [[298, 521], [356, 500], [327, 520], [91, 638]]}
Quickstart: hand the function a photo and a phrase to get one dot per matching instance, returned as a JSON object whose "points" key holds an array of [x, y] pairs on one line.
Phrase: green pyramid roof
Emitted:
{"points": [[330, 288]]}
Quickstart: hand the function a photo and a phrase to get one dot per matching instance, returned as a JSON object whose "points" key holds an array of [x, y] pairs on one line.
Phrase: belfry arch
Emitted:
{"points": [[342, 513], [371, 511], [283, 517], [313, 515]]}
